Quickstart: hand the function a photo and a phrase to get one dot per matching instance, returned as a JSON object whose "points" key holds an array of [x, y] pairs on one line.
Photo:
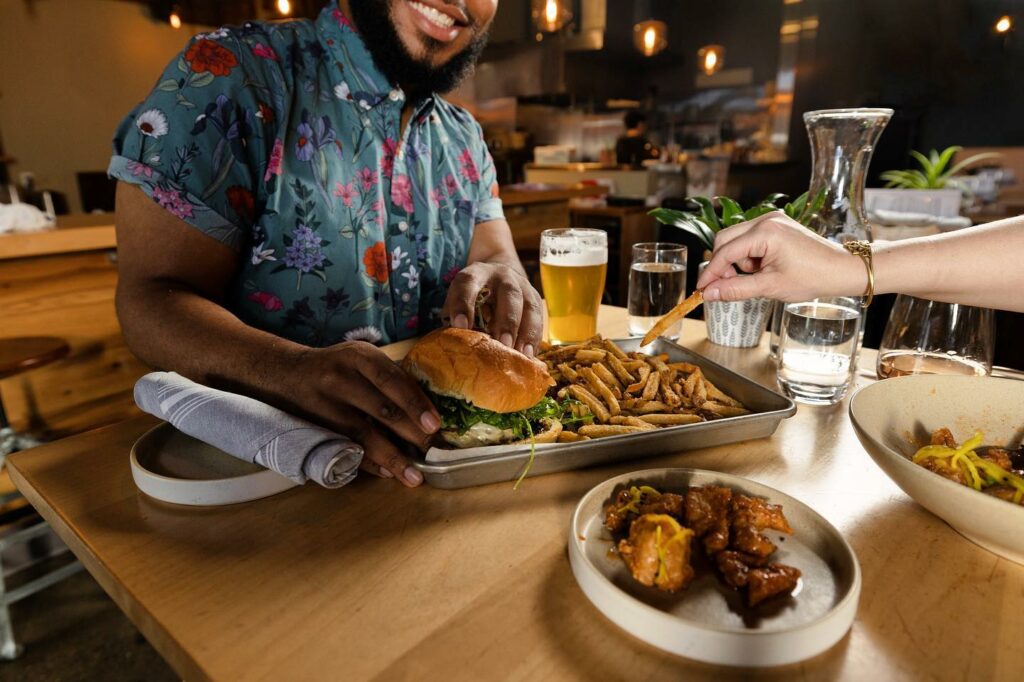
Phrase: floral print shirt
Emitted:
{"points": [[282, 141]]}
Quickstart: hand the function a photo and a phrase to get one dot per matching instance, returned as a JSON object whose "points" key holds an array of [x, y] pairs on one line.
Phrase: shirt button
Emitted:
{"points": [[395, 95], [366, 122], [403, 226]]}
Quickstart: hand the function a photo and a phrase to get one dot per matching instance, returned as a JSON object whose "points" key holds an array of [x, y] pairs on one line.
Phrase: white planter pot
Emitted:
{"points": [[937, 202], [739, 324]]}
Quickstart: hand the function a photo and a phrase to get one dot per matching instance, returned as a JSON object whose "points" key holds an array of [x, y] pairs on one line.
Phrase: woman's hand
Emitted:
{"points": [[356, 390], [788, 262], [516, 317]]}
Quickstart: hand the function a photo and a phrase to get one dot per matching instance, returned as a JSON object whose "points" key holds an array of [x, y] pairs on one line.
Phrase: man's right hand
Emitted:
{"points": [[355, 389]]}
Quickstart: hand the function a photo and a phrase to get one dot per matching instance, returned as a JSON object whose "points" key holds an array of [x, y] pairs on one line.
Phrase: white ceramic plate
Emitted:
{"points": [[709, 621], [894, 417], [173, 467]]}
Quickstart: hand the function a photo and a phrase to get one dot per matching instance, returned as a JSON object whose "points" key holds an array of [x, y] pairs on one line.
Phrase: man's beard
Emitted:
{"points": [[373, 19]]}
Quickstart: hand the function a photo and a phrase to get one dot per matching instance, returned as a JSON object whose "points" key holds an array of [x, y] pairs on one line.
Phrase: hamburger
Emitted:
{"points": [[486, 393]]}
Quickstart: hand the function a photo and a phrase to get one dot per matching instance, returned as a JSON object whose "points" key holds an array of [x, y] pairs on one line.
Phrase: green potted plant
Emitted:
{"points": [[932, 188], [733, 323]]}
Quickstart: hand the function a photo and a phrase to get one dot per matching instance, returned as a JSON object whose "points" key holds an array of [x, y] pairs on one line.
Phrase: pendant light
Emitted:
{"points": [[550, 16], [650, 37], [710, 58]]}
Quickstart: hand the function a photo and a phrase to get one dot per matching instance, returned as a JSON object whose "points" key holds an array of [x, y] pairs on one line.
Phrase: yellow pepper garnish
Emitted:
{"points": [[973, 467]]}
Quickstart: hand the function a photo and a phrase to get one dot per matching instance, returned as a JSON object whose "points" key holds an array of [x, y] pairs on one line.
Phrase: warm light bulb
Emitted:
{"points": [[710, 61], [711, 58], [649, 38], [551, 11], [1004, 24], [175, 20], [284, 7]]}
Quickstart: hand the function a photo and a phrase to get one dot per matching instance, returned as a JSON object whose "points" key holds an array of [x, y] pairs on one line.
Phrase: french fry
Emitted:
{"points": [[634, 365], [658, 363], [651, 387], [700, 391], [614, 350], [633, 421], [568, 372], [723, 410], [690, 385], [671, 419], [560, 353], [684, 367], [715, 394], [673, 316], [625, 378], [570, 437], [651, 406], [670, 396], [590, 355], [594, 381], [601, 430], [601, 370], [597, 408]]}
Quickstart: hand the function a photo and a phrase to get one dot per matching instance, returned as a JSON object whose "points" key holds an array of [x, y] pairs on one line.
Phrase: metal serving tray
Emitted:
{"points": [[767, 408]]}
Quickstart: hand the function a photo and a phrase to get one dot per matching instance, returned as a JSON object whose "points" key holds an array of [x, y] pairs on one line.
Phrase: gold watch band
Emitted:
{"points": [[863, 249]]}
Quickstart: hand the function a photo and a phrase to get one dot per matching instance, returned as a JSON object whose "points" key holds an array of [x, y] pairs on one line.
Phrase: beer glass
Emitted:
{"points": [[573, 266], [657, 282]]}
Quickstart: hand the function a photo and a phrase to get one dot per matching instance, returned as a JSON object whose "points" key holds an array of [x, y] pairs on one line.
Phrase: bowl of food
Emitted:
{"points": [[953, 443]]}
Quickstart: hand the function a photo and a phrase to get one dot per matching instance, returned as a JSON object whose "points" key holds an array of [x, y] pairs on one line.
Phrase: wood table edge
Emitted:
{"points": [[142, 618]]}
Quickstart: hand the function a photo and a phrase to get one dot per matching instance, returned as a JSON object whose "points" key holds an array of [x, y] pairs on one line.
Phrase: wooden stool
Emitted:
{"points": [[18, 355]]}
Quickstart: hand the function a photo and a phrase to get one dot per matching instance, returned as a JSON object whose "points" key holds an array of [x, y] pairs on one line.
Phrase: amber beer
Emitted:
{"points": [[573, 267]]}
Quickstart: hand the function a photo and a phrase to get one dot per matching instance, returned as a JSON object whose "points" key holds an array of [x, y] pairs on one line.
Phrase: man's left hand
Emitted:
{"points": [[516, 318]]}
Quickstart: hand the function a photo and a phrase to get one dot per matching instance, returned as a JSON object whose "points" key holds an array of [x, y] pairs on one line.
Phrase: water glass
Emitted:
{"points": [[928, 337], [573, 268], [818, 345], [657, 282]]}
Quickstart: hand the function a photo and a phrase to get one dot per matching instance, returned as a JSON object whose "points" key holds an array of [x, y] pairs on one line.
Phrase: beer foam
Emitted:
{"points": [[576, 257]]}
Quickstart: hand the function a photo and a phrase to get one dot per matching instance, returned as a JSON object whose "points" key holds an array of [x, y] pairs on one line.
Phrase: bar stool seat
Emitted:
{"points": [[17, 355]]}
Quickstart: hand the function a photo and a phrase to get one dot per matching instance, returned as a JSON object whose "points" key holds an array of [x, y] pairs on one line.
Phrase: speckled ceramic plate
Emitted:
{"points": [[708, 621], [894, 417]]}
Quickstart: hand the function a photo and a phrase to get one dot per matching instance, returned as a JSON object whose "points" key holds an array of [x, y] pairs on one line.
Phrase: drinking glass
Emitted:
{"points": [[818, 349], [928, 337], [657, 282], [573, 267]]}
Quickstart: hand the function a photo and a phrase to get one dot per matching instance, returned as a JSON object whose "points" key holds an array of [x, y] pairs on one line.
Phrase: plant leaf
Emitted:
{"points": [[970, 160], [707, 209], [732, 212], [774, 199]]}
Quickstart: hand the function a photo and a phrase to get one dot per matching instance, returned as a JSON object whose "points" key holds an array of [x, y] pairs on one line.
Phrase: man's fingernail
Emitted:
{"points": [[506, 339], [385, 473], [711, 294], [461, 321], [528, 350], [430, 422], [413, 475]]}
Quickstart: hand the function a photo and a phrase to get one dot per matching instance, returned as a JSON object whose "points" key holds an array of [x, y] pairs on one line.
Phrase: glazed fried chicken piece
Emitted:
{"points": [[1003, 492], [748, 517], [998, 456], [942, 467], [636, 501], [735, 566], [707, 513], [943, 436], [657, 552], [769, 581]]}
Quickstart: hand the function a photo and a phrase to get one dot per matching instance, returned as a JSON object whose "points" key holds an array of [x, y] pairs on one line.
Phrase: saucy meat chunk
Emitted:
{"points": [[748, 517], [769, 581], [657, 552], [636, 501], [707, 514]]}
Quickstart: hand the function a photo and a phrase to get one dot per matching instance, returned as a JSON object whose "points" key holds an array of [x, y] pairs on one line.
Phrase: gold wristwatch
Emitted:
{"points": [[863, 249]]}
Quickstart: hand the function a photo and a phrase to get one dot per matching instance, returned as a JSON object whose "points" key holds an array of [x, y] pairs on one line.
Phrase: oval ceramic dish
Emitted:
{"points": [[894, 417], [173, 467], [709, 621]]}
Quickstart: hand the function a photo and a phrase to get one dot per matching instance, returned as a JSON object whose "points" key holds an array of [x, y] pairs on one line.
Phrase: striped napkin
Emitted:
{"points": [[250, 430]]}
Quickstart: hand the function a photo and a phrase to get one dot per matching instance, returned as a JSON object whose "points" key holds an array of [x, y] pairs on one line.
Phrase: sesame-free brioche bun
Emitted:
{"points": [[471, 365]]}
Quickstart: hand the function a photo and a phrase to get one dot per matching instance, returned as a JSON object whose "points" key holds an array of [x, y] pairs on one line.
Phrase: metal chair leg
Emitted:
{"points": [[9, 647]]}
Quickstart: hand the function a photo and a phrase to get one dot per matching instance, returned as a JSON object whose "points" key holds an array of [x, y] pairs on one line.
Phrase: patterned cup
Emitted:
{"points": [[739, 324]]}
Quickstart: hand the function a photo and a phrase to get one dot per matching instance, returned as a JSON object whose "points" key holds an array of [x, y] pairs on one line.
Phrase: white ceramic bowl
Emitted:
{"points": [[707, 621], [894, 417]]}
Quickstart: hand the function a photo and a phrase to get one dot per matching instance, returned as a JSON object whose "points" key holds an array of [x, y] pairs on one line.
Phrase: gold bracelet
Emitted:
{"points": [[863, 249]]}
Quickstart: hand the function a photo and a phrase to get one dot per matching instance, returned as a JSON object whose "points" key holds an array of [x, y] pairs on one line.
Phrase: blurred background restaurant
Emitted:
{"points": [[713, 94]]}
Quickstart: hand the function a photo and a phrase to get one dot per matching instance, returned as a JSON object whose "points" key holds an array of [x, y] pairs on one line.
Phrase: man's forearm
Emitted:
{"points": [[172, 328]]}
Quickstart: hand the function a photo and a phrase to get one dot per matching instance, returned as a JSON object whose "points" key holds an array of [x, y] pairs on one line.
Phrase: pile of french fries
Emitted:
{"points": [[632, 392]]}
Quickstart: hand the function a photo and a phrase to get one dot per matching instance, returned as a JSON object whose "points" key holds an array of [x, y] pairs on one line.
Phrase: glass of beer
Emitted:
{"points": [[573, 266]]}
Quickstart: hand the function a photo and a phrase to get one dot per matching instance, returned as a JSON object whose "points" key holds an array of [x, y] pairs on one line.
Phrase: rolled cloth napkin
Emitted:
{"points": [[250, 430]]}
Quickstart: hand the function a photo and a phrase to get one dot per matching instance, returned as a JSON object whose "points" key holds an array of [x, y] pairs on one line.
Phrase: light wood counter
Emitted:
{"points": [[73, 234], [375, 581]]}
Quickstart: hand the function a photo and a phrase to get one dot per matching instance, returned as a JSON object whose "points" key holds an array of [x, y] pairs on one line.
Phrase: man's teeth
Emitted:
{"points": [[437, 18]]}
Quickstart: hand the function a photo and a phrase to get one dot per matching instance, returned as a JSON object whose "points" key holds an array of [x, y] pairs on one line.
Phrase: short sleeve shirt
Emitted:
{"points": [[282, 140]]}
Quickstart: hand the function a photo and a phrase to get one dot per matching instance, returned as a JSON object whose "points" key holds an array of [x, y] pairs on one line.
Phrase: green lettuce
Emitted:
{"points": [[460, 415]]}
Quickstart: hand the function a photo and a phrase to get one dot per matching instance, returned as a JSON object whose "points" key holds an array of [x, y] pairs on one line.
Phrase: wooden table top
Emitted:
{"points": [[73, 234], [22, 353], [378, 581]]}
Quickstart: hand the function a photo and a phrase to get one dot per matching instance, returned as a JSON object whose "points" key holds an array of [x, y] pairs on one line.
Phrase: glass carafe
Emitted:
{"points": [[842, 141]]}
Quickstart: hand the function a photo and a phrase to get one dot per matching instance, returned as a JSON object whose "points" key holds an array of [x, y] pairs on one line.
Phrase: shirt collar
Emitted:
{"points": [[363, 83]]}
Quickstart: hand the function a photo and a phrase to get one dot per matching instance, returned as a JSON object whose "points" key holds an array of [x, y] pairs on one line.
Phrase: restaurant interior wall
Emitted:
{"points": [[72, 70]]}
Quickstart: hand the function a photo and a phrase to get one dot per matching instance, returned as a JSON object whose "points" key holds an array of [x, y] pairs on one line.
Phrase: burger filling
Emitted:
{"points": [[465, 425]]}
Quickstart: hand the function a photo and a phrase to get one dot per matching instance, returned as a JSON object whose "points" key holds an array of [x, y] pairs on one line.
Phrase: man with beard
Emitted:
{"points": [[293, 194]]}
